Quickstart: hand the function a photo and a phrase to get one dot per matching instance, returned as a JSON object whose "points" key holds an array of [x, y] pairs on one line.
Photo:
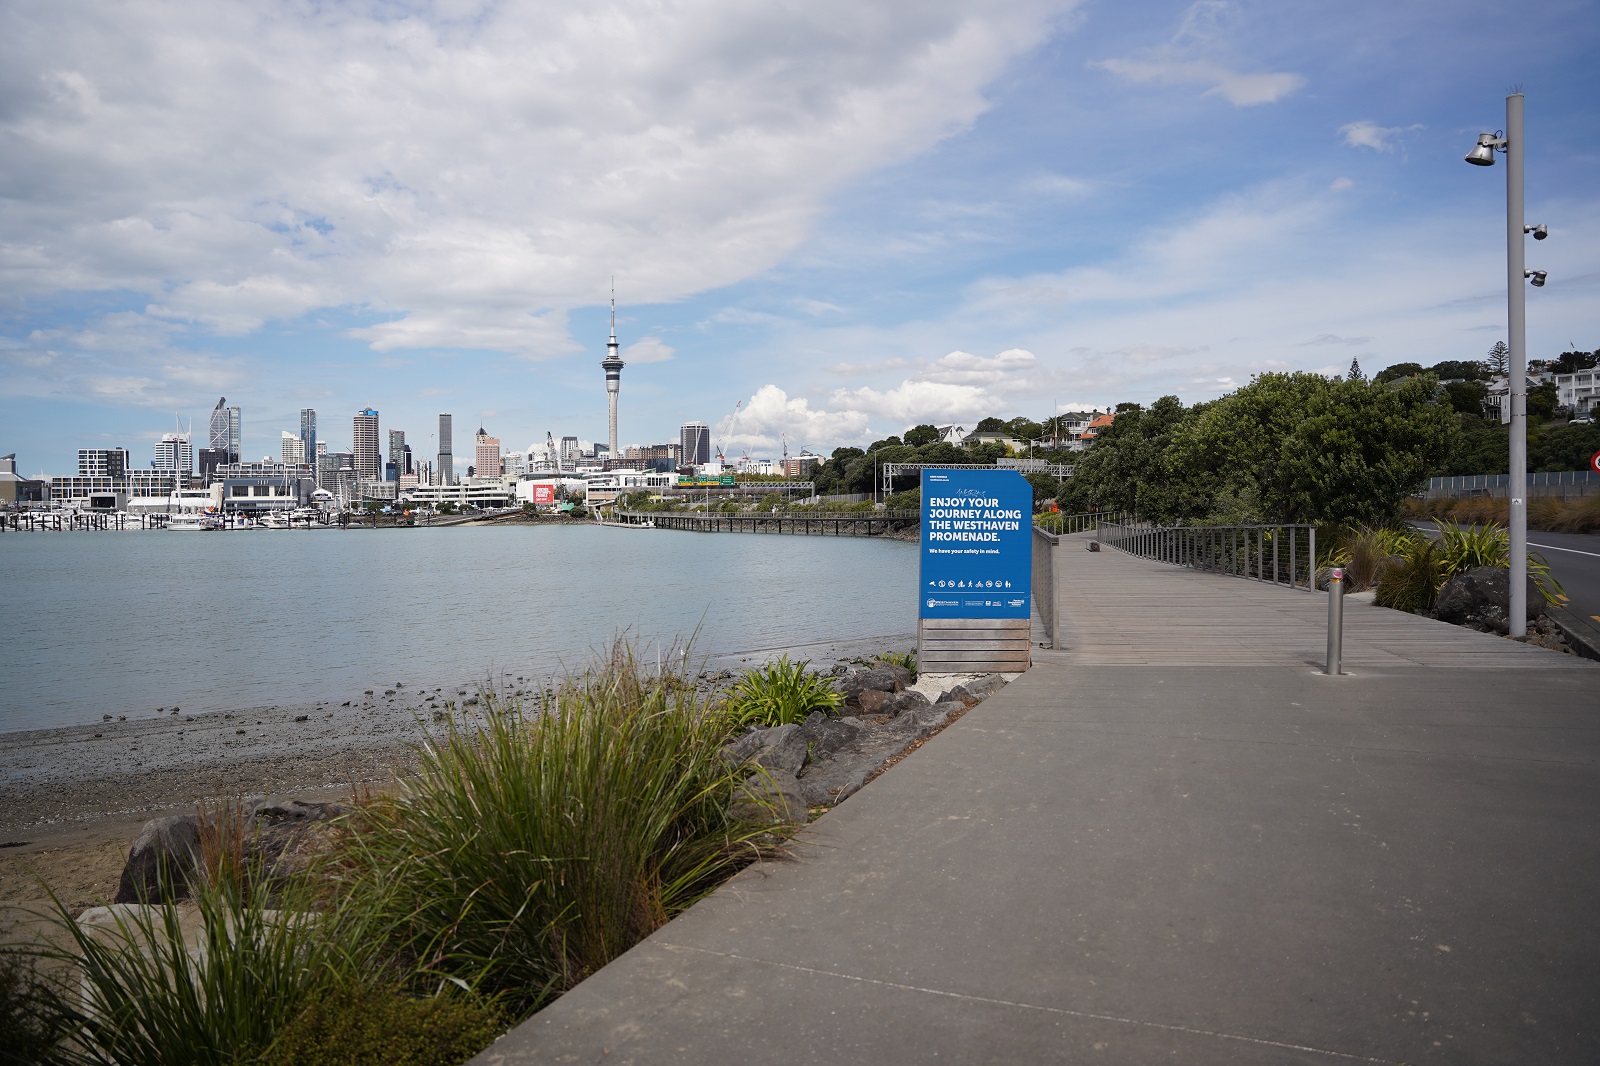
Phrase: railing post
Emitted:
{"points": [[1335, 621], [1311, 564]]}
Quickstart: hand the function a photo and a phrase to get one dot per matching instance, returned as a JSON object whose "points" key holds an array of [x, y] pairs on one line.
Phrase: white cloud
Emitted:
{"points": [[1340, 185], [1371, 135], [771, 416], [465, 173], [648, 350], [1200, 54]]}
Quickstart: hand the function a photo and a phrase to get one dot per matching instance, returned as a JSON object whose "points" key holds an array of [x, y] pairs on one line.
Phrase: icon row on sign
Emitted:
{"points": [[969, 584]]}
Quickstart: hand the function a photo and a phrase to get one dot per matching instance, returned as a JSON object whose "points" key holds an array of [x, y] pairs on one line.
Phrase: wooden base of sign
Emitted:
{"points": [[974, 645]]}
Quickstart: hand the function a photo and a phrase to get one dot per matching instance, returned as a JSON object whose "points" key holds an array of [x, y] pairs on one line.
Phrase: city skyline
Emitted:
{"points": [[843, 223]]}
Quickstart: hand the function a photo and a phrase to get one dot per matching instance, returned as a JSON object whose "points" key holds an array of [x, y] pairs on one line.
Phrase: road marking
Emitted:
{"points": [[1553, 548]]}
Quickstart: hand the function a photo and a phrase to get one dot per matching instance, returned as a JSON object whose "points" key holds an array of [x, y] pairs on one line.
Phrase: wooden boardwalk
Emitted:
{"points": [[1119, 609]]}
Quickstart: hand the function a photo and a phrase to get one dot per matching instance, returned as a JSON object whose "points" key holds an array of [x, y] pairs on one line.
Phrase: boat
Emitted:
{"points": [[275, 520], [191, 521]]}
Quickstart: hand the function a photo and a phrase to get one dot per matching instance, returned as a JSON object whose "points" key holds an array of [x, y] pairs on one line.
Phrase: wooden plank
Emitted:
{"points": [[931, 646], [973, 623]]}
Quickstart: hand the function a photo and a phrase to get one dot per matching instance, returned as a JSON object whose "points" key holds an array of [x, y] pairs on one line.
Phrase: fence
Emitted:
{"points": [[1044, 580], [1283, 555], [1554, 483], [1062, 524]]}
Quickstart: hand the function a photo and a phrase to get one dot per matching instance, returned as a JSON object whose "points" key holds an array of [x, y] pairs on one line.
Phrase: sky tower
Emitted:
{"points": [[612, 365]]}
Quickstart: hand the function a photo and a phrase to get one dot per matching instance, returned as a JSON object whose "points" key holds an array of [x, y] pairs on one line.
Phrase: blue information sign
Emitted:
{"points": [[977, 544]]}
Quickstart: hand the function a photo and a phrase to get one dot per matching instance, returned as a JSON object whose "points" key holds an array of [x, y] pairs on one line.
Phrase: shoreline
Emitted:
{"points": [[56, 783]]}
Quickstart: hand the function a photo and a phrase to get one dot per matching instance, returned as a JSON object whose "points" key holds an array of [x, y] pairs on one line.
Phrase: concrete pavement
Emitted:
{"points": [[1187, 846]]}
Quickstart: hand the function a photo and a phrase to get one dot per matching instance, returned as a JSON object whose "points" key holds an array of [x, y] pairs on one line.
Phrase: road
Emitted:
{"points": [[1574, 558]]}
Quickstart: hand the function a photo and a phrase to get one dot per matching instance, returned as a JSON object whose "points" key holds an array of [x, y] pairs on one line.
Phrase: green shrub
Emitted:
{"points": [[1413, 583], [1462, 549], [780, 693], [156, 994], [521, 856], [386, 1027]]}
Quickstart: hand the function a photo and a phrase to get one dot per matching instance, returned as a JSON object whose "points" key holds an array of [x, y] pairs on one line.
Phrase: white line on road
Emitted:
{"points": [[1554, 548]]}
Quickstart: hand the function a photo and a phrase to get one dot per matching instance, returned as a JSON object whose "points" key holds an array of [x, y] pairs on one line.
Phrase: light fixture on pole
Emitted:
{"points": [[1511, 144]]}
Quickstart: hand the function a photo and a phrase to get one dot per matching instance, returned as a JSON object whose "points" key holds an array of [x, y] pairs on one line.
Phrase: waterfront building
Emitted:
{"points": [[612, 364], [694, 444], [257, 488], [601, 490], [364, 445], [447, 472], [486, 456], [174, 452], [103, 462], [308, 434], [108, 492], [16, 489], [482, 493], [294, 450]]}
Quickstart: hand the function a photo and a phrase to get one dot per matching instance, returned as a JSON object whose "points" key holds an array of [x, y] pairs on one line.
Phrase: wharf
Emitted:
{"points": [[843, 524], [1173, 839]]}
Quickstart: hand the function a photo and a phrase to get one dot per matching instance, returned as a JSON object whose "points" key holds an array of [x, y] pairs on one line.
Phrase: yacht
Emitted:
{"points": [[275, 520], [189, 521]]}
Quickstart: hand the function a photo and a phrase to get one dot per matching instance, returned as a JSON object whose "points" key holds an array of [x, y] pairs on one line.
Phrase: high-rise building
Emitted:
{"points": [[174, 452], [235, 435], [486, 456], [398, 452], [364, 445], [103, 462], [294, 450], [571, 452], [612, 365], [308, 432], [694, 443], [219, 427], [446, 460]]}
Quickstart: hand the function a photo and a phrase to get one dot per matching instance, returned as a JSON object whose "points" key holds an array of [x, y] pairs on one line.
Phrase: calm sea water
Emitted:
{"points": [[127, 622]]}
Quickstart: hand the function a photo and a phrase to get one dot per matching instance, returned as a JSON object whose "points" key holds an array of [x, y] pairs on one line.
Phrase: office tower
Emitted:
{"points": [[174, 452], [219, 427], [407, 467], [571, 452], [103, 462], [235, 435], [612, 365], [486, 457], [446, 460], [397, 452], [308, 433], [694, 443], [294, 450], [364, 445]]}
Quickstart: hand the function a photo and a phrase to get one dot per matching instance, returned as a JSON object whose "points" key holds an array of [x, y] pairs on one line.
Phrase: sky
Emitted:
{"points": [[837, 219]]}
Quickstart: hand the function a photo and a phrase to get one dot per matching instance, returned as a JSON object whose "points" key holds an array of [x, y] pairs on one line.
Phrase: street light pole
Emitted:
{"points": [[1517, 328]]}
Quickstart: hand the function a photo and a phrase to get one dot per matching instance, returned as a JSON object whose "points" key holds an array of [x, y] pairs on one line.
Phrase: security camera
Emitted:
{"points": [[1540, 232], [1537, 277]]}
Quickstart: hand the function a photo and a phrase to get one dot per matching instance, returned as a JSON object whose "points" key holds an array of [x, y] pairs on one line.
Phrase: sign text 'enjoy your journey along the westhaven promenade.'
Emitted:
{"points": [[977, 544]]}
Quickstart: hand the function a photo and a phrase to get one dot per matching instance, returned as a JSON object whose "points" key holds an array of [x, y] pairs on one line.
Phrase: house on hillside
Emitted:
{"points": [[1015, 444], [952, 434]]}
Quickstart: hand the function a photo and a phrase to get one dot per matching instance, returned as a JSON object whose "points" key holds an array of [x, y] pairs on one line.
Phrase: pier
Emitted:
{"points": [[842, 524]]}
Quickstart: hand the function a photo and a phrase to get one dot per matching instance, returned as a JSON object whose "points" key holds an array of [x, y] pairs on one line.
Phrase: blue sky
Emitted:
{"points": [[849, 218]]}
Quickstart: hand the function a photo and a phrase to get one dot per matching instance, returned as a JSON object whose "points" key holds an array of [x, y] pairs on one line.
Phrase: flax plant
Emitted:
{"points": [[525, 853], [780, 693]]}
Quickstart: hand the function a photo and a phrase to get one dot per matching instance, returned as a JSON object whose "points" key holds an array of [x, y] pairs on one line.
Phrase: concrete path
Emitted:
{"points": [[1169, 842]]}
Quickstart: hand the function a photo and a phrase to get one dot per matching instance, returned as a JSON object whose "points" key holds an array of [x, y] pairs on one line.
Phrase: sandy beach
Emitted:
{"points": [[72, 799]]}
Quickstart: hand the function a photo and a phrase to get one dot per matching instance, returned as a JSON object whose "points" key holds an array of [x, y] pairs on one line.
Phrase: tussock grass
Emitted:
{"points": [[1555, 514], [905, 659], [779, 693], [1413, 583], [522, 856]]}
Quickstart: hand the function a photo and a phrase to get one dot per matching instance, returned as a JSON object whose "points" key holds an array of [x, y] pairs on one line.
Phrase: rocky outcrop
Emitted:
{"points": [[837, 756], [277, 838], [1479, 598], [769, 797]]}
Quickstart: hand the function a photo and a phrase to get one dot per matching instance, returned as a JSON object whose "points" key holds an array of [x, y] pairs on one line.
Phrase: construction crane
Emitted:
{"points": [[550, 456], [722, 459]]}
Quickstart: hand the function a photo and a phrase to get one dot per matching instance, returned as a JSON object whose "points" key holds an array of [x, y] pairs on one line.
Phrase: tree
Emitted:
{"points": [[917, 436], [990, 425], [1572, 362], [1396, 372], [1542, 400], [1355, 373], [1479, 447], [1464, 369], [1466, 396], [1499, 360], [1564, 447]]}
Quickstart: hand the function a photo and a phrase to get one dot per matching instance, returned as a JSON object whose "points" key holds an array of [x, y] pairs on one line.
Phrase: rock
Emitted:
{"points": [[838, 780], [871, 700], [163, 861], [771, 797], [824, 736], [902, 676], [979, 689], [782, 748], [901, 702], [1480, 598], [920, 722], [858, 681], [743, 746]]}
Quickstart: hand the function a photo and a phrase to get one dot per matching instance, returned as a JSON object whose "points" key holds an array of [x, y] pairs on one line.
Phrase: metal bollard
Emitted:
{"points": [[1335, 620]]}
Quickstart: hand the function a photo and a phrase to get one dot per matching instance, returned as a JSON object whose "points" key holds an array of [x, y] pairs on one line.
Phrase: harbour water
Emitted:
{"points": [[125, 622]]}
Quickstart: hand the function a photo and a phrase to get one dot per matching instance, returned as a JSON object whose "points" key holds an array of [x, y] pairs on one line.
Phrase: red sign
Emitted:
{"points": [[544, 494], [1594, 462]]}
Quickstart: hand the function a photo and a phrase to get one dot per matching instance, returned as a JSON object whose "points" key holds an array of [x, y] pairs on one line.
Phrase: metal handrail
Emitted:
{"points": [[1280, 554], [1044, 581], [1063, 524]]}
